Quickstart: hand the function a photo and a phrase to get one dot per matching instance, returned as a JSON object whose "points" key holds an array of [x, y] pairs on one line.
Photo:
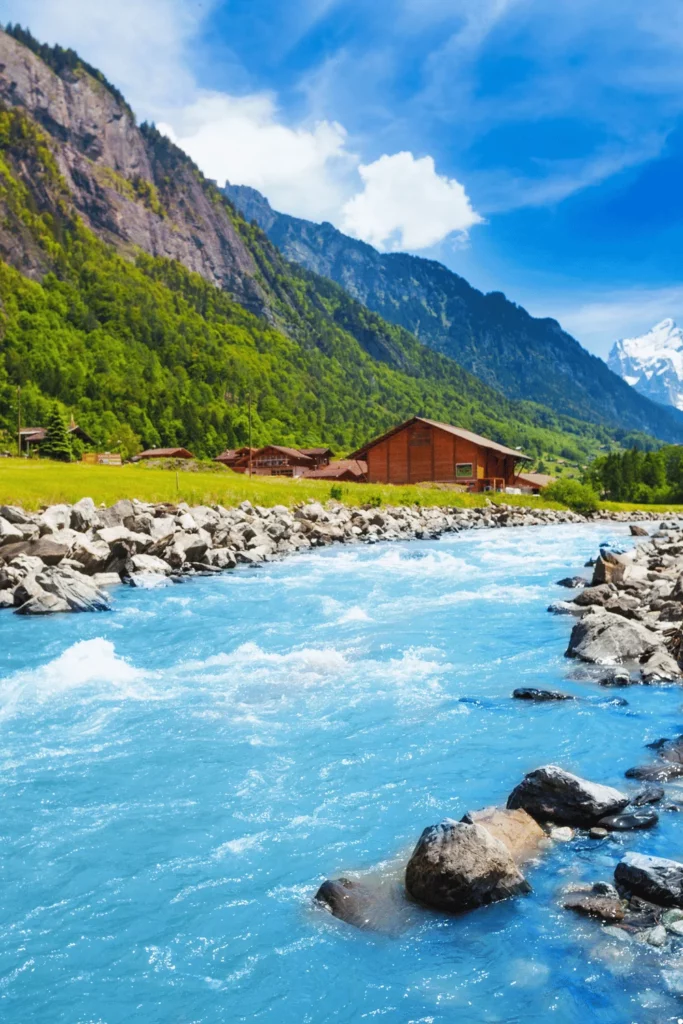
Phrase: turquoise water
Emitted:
{"points": [[179, 775]]}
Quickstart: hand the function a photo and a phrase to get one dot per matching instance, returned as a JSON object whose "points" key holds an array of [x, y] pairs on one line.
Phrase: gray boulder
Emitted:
{"points": [[148, 564], [55, 518], [552, 794], [84, 515], [57, 589], [377, 905], [600, 901], [656, 879], [93, 555], [598, 595], [118, 515], [457, 866], [630, 820], [9, 533], [15, 515], [606, 639]]}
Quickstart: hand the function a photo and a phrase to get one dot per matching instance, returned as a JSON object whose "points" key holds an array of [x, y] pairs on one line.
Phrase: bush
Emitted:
{"points": [[336, 492], [578, 497]]}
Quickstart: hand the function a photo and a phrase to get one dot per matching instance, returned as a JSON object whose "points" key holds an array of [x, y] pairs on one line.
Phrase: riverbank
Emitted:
{"points": [[64, 557]]}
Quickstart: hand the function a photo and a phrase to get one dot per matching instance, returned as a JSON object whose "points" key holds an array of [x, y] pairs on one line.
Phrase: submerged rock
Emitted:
{"points": [[354, 902], [550, 793], [457, 866], [656, 879], [601, 901], [658, 771], [539, 696], [649, 795]]}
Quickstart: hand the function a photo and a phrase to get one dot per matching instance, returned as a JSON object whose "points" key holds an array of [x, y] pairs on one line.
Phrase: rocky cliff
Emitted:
{"points": [[129, 184]]}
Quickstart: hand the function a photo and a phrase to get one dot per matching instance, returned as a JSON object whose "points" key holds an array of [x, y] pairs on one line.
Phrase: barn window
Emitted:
{"points": [[420, 437], [464, 470]]}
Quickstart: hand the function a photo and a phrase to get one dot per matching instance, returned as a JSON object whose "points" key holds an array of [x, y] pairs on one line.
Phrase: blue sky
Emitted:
{"points": [[534, 146]]}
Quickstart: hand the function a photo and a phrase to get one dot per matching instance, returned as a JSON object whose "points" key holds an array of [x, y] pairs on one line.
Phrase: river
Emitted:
{"points": [[179, 775]]}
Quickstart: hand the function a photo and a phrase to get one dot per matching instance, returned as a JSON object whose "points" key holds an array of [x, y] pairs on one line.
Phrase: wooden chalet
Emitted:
{"points": [[422, 450], [345, 470], [319, 456], [232, 455], [274, 460], [33, 436]]}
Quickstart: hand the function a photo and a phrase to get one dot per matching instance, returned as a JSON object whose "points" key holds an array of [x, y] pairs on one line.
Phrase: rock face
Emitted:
{"points": [[517, 830], [456, 866], [552, 794], [652, 878]]}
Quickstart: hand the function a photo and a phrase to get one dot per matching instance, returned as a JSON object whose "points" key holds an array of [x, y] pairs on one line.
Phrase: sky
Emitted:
{"points": [[533, 146]]}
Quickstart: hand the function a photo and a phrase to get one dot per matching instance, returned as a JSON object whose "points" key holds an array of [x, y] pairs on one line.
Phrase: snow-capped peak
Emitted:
{"points": [[652, 363]]}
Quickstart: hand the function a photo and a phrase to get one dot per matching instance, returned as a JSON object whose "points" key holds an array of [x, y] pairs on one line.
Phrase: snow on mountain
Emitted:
{"points": [[652, 363]]}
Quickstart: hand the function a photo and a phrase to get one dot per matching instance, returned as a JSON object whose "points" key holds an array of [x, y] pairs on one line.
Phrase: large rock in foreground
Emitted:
{"points": [[652, 878], [552, 794], [457, 866]]}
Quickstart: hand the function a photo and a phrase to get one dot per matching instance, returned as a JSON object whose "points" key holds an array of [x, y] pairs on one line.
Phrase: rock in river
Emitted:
{"points": [[604, 638], [600, 901], [550, 793], [638, 818], [456, 866], [358, 904], [539, 696], [652, 878], [516, 829]]}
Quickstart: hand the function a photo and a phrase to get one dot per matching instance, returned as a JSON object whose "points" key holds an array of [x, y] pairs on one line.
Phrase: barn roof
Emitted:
{"points": [[316, 451], [337, 469], [465, 435], [165, 453], [536, 479]]}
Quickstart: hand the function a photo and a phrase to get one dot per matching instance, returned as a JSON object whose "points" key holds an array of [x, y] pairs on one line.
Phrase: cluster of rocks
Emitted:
{"points": [[458, 866], [630, 613], [64, 557]]}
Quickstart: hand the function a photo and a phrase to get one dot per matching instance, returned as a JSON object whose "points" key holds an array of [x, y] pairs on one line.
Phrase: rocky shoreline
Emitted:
{"points": [[63, 558]]}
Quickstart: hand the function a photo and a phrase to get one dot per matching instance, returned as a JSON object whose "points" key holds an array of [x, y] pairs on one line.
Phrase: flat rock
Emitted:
{"points": [[539, 696], [593, 904], [572, 581], [655, 879], [456, 866], [517, 830], [628, 821], [550, 793]]}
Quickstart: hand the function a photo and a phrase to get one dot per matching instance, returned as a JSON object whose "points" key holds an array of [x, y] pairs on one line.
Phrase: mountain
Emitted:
{"points": [[135, 295], [519, 355], [652, 363]]}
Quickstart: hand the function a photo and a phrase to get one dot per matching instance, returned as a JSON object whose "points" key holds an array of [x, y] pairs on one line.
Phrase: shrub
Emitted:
{"points": [[336, 492], [578, 497]]}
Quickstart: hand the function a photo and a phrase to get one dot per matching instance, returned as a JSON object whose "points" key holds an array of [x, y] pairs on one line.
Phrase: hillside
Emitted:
{"points": [[521, 356], [133, 293]]}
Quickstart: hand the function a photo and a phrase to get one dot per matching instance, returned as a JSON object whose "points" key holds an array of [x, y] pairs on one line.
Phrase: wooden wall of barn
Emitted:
{"points": [[420, 453]]}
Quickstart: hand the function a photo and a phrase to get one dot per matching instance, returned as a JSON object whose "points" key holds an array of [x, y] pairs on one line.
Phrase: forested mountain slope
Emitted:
{"points": [[133, 293], [524, 357]]}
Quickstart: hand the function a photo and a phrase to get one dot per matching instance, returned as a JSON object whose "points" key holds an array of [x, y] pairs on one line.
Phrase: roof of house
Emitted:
{"points": [[165, 453], [292, 453], [39, 433], [536, 479], [230, 454], [316, 451], [338, 468], [465, 435]]}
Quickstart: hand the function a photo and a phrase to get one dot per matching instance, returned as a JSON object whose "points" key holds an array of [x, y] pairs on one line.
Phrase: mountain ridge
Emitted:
{"points": [[524, 357]]}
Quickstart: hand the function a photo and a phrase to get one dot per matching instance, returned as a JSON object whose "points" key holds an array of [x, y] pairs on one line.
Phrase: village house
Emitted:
{"points": [[232, 455], [422, 450], [274, 460], [533, 483], [343, 470], [31, 437], [163, 453]]}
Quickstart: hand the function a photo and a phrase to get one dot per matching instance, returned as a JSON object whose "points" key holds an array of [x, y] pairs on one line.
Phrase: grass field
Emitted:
{"points": [[33, 483]]}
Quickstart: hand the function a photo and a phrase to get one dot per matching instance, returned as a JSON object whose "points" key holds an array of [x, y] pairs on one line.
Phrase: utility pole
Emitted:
{"points": [[249, 400], [19, 421]]}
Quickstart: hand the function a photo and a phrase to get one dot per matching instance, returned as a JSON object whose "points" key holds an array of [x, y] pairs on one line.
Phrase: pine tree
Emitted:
{"points": [[56, 444]]}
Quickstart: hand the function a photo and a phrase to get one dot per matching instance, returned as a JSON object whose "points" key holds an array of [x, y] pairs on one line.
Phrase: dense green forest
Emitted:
{"points": [[146, 353], [644, 477]]}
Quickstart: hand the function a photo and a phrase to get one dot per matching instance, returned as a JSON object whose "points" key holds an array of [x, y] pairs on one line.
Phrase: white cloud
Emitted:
{"points": [[405, 204], [302, 170], [306, 169]]}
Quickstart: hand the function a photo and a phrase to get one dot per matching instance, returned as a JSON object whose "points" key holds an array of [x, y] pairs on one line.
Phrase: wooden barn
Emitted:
{"points": [[422, 450], [163, 453]]}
